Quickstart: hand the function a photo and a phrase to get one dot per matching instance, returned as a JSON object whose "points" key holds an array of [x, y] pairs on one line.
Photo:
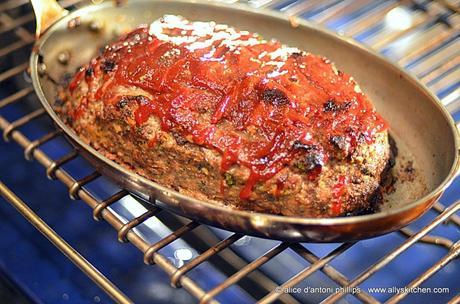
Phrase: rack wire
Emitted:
{"points": [[433, 56]]}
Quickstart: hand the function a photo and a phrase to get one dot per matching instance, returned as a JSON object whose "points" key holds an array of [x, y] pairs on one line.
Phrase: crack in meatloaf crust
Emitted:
{"points": [[225, 116]]}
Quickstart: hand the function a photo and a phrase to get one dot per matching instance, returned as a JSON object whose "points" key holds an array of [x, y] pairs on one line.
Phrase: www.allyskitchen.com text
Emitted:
{"points": [[356, 290]]}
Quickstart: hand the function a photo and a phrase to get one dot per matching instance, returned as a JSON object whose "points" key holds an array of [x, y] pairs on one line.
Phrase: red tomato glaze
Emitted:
{"points": [[258, 103]]}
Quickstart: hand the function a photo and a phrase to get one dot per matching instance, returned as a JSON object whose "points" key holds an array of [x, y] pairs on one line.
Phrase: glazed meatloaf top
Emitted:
{"points": [[226, 116]]}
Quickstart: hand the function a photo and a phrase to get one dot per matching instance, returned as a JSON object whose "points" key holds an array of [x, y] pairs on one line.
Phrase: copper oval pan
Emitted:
{"points": [[424, 130]]}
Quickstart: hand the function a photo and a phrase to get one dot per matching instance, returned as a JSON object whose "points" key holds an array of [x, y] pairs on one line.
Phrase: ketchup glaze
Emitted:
{"points": [[260, 104]]}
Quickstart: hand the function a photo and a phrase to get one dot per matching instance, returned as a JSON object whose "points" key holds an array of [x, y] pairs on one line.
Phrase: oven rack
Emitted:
{"points": [[440, 23]]}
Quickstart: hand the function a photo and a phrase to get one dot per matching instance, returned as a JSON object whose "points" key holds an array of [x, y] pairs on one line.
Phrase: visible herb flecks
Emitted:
{"points": [[229, 179]]}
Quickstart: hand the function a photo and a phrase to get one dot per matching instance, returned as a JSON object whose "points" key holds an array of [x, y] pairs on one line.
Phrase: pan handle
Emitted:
{"points": [[46, 13]]}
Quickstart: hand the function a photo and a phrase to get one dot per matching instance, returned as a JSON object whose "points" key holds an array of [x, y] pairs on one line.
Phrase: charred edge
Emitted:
{"points": [[332, 106], [293, 78], [89, 71], [374, 200], [312, 159], [387, 181], [108, 65], [123, 102], [300, 146], [393, 148], [126, 100], [340, 142], [275, 97], [296, 55]]}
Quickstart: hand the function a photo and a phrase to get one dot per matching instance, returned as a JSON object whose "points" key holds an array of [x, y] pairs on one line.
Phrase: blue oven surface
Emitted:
{"points": [[40, 273]]}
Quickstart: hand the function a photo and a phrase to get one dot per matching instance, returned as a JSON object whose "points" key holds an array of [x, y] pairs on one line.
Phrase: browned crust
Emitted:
{"points": [[194, 170]]}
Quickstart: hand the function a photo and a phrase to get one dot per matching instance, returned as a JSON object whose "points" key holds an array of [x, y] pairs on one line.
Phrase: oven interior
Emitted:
{"points": [[201, 261]]}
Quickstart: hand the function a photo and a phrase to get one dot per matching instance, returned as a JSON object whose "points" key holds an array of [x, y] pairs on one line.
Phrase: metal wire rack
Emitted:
{"points": [[432, 54]]}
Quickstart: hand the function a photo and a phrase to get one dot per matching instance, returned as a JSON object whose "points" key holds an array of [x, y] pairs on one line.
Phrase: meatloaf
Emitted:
{"points": [[225, 116]]}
